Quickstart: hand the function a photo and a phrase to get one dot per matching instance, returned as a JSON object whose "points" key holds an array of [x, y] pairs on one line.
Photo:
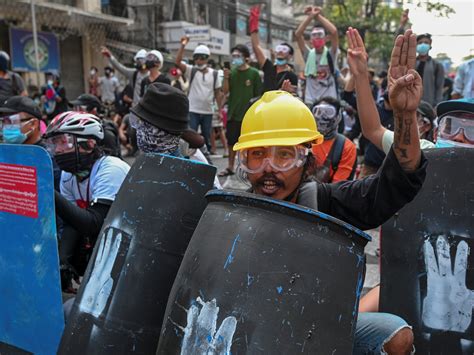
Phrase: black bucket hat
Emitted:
{"points": [[165, 107]]}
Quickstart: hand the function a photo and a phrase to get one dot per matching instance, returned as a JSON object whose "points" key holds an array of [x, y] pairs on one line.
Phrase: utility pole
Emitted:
{"points": [[35, 41]]}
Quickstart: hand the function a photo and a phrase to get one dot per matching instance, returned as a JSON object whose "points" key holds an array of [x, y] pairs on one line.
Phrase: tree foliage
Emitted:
{"points": [[377, 22]]}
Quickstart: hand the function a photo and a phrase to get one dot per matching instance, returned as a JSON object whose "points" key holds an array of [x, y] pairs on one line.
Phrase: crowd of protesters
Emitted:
{"points": [[185, 110]]}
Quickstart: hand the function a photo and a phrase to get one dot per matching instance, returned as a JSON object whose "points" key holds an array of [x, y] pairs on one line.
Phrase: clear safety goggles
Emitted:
{"points": [[451, 125], [14, 121], [324, 111], [281, 48], [318, 34], [62, 143], [280, 158]]}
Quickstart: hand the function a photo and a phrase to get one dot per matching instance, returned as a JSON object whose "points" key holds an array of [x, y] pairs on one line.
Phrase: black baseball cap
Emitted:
{"points": [[17, 104], [426, 110], [86, 100]]}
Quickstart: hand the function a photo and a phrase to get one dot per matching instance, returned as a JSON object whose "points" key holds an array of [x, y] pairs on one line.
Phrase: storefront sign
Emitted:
{"points": [[23, 51]]}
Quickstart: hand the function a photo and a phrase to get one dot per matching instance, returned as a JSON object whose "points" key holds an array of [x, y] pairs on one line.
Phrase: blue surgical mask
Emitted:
{"points": [[280, 61], [13, 135], [423, 48], [238, 62], [446, 143]]}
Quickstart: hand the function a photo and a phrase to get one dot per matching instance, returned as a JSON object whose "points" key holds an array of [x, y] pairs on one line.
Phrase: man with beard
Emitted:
{"points": [[274, 152], [89, 183]]}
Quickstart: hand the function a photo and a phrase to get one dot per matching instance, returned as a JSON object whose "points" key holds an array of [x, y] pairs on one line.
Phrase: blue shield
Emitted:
{"points": [[31, 316]]}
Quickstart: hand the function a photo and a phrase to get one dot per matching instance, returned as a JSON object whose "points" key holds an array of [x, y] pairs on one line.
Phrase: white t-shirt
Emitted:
{"points": [[387, 141], [201, 90], [108, 88], [103, 183]]}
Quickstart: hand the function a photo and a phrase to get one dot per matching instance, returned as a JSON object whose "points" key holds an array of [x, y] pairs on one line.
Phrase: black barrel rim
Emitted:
{"points": [[250, 199]]}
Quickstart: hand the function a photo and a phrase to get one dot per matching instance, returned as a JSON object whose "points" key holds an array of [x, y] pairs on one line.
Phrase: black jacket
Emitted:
{"points": [[369, 202]]}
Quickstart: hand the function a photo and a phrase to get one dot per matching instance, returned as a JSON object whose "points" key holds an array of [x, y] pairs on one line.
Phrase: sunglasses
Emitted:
{"points": [[200, 57]]}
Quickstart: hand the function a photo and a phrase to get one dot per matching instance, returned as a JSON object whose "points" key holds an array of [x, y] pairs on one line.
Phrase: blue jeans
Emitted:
{"points": [[205, 121], [374, 330]]}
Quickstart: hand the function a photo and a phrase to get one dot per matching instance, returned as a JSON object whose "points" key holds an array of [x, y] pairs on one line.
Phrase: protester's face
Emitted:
{"points": [[269, 180], [318, 38], [424, 40], [282, 52], [66, 143], [458, 128], [200, 59], [424, 124], [237, 59]]}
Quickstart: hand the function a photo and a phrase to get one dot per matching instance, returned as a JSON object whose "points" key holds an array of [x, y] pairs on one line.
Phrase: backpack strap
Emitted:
{"points": [[194, 70], [215, 73], [134, 79], [333, 70], [335, 154]]}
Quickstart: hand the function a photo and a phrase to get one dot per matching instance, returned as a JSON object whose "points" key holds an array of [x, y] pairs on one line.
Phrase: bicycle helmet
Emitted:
{"points": [[80, 124]]}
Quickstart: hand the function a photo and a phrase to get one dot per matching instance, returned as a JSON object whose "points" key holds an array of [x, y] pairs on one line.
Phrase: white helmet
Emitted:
{"points": [[141, 54], [202, 49], [80, 124], [157, 54]]}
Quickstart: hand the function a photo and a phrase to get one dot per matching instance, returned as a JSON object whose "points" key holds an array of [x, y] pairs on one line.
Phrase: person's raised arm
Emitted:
{"points": [[405, 89], [253, 25], [329, 27], [128, 72], [179, 56], [299, 34], [369, 118]]}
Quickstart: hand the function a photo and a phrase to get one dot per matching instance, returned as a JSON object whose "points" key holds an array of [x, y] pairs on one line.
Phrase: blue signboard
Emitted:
{"points": [[23, 51], [31, 315]]}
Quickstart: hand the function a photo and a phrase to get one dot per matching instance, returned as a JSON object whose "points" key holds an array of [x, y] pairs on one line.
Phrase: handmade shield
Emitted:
{"points": [[120, 305], [31, 314], [265, 276], [427, 261]]}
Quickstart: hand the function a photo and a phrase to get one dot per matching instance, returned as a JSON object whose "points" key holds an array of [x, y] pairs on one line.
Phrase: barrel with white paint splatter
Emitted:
{"points": [[262, 276], [120, 306]]}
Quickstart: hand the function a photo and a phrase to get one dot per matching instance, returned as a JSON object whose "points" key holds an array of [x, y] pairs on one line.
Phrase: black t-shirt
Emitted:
{"points": [[145, 82], [273, 80]]}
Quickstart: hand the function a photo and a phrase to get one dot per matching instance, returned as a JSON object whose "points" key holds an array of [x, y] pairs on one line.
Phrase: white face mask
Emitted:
{"points": [[92, 72], [50, 82], [201, 67]]}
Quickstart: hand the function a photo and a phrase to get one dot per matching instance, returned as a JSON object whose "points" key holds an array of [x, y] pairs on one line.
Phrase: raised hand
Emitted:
{"points": [[184, 40], [105, 52], [200, 336], [317, 11], [286, 86], [448, 303], [405, 87], [356, 53], [308, 10], [99, 287], [254, 18]]}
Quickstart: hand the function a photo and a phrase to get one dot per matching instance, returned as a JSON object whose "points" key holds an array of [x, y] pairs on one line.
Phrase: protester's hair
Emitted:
{"points": [[289, 46], [108, 68], [95, 68], [331, 101], [242, 48], [211, 63], [424, 35]]}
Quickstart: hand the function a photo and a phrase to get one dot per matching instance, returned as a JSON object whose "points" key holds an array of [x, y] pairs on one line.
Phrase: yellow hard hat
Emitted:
{"points": [[278, 118]]}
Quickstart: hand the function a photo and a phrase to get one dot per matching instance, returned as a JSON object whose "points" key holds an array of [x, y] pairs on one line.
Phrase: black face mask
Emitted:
{"points": [[150, 64], [74, 164]]}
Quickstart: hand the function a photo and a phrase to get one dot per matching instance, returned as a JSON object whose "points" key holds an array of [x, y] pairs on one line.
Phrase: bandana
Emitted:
{"points": [[151, 139]]}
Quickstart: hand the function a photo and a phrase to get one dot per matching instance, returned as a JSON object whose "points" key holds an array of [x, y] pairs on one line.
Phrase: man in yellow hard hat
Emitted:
{"points": [[274, 151]]}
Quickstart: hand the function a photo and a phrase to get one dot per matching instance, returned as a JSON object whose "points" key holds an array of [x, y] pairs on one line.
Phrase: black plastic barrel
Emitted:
{"points": [[120, 305], [262, 276]]}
